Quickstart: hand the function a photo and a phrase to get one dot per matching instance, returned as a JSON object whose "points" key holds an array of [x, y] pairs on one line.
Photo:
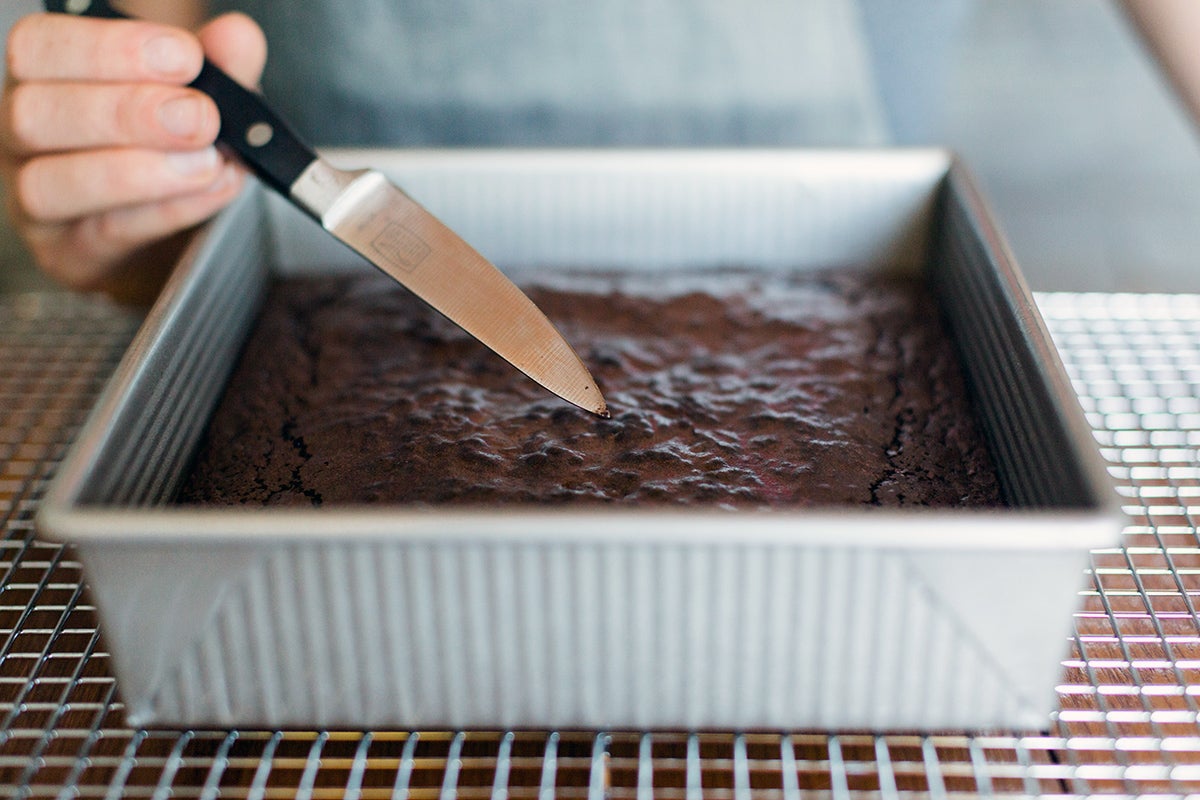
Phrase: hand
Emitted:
{"points": [[106, 156]]}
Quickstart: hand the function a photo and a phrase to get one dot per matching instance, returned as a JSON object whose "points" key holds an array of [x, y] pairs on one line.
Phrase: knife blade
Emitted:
{"points": [[367, 212]]}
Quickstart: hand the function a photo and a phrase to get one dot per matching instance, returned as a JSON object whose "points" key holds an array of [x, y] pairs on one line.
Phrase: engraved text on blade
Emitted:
{"points": [[401, 247]]}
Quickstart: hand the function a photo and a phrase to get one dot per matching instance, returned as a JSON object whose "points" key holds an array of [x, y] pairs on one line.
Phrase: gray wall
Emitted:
{"points": [[1089, 161], [12, 10]]}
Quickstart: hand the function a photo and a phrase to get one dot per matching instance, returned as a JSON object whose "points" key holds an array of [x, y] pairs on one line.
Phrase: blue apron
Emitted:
{"points": [[572, 72]]}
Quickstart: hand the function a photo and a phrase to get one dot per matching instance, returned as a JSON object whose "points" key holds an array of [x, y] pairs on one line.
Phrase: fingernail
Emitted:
{"points": [[181, 116], [194, 162], [166, 55]]}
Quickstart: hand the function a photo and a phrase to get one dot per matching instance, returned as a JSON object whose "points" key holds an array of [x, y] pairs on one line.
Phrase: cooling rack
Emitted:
{"points": [[1127, 722]]}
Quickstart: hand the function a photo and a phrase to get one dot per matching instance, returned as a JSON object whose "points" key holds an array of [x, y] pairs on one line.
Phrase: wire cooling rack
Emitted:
{"points": [[1127, 722]]}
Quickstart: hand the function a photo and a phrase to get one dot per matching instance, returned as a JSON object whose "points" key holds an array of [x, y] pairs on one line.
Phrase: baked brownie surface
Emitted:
{"points": [[732, 388]]}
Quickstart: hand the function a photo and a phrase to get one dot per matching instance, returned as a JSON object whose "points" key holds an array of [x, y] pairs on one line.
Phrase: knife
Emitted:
{"points": [[376, 219]]}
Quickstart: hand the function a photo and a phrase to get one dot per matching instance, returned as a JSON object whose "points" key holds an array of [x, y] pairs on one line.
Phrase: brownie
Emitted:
{"points": [[735, 389]]}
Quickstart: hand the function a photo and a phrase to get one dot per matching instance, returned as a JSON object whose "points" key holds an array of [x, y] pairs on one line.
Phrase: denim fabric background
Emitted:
{"points": [[581, 72]]}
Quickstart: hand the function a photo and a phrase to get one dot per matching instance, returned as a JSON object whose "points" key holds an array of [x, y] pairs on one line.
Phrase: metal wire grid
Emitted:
{"points": [[1127, 725]]}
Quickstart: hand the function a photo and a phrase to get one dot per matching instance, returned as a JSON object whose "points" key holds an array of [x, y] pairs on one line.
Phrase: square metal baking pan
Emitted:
{"points": [[394, 617]]}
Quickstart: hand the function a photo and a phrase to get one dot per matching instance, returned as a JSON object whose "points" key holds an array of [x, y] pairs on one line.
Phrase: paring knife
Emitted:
{"points": [[376, 219]]}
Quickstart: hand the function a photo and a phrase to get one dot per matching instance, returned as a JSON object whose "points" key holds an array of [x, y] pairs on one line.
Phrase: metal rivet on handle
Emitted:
{"points": [[78, 6], [259, 134]]}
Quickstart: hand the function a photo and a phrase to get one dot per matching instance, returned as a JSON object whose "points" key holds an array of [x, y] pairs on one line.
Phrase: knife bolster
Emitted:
{"points": [[323, 190]]}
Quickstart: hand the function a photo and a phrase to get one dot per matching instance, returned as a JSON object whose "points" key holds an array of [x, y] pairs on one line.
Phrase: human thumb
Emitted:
{"points": [[236, 44]]}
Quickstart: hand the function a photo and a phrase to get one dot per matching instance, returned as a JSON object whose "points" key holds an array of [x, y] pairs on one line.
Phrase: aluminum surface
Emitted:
{"points": [[1127, 722], [480, 628]]}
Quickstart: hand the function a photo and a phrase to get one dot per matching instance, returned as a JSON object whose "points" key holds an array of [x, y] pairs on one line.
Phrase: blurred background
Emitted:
{"points": [[1087, 159]]}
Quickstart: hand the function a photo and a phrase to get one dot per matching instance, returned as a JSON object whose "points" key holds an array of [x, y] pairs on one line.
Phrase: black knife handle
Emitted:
{"points": [[83, 8], [248, 125], [256, 133]]}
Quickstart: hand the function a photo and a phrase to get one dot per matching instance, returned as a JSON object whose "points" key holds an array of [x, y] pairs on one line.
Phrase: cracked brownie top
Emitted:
{"points": [[731, 389]]}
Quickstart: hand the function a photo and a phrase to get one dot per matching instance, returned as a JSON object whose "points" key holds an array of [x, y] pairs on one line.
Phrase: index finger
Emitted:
{"points": [[59, 47]]}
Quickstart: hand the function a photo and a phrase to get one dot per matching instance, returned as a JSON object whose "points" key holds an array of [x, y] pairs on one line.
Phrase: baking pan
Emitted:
{"points": [[395, 617]]}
